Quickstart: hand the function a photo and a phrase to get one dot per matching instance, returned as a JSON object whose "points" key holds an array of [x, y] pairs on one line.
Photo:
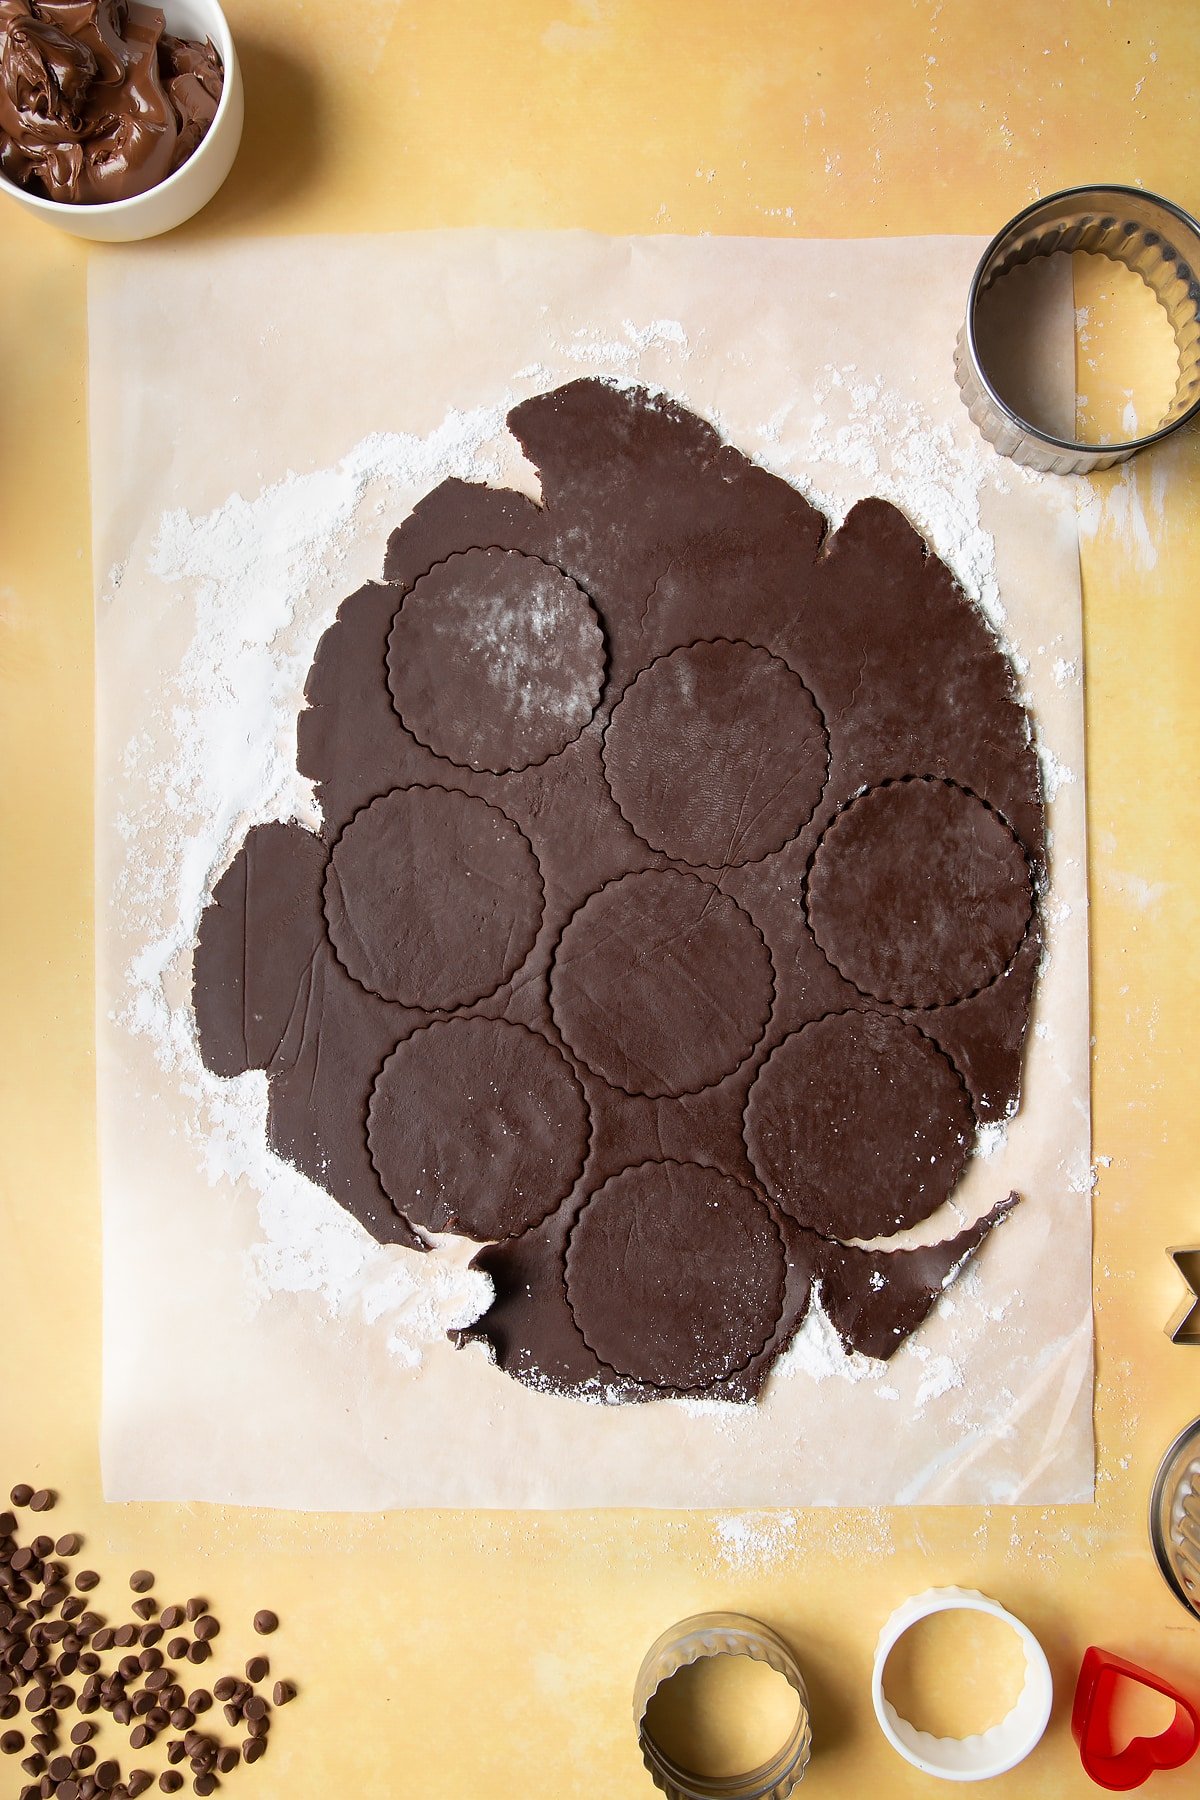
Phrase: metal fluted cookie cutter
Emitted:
{"points": [[1175, 1517], [693, 1640], [1151, 236]]}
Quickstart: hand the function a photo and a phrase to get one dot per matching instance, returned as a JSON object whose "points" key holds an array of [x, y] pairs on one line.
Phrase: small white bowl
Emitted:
{"points": [[193, 184]]}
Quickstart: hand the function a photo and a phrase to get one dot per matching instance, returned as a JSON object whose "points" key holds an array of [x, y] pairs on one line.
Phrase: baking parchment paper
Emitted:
{"points": [[262, 414]]}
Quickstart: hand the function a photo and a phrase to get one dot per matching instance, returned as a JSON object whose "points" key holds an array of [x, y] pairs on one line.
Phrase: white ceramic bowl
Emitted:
{"points": [[192, 185]]}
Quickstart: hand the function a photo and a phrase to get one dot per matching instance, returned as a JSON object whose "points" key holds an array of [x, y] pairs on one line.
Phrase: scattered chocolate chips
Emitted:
{"points": [[265, 1622]]}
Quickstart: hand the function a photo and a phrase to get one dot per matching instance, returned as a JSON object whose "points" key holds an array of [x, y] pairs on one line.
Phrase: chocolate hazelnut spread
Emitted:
{"points": [[98, 101]]}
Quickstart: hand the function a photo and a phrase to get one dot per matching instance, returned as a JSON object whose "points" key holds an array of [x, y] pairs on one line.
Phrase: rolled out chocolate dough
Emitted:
{"points": [[673, 918]]}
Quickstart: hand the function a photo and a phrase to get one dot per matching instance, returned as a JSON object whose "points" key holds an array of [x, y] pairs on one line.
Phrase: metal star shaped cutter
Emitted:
{"points": [[1183, 1327]]}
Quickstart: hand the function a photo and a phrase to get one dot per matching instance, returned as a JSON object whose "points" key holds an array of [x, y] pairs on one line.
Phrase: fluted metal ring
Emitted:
{"points": [[1151, 236], [693, 1640]]}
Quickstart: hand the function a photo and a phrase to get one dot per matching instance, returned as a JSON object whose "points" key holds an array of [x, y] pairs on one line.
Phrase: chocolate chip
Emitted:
{"points": [[150, 1659], [10, 1706], [69, 1544], [138, 1781], [253, 1748], [258, 1727], [11, 1742], [199, 1701], [141, 1581], [177, 1648], [225, 1688], [233, 1713], [22, 1559], [204, 1784], [41, 1547], [89, 1662], [158, 1718], [207, 1627], [198, 1652], [122, 1712], [86, 1580], [104, 1638], [130, 1667], [258, 1668], [172, 1616], [195, 1607], [265, 1622], [227, 1759], [45, 1741], [170, 1781], [81, 1733], [125, 1635], [146, 1609], [150, 1634], [8, 1524], [33, 1765], [43, 1500], [175, 1750], [83, 1756], [141, 1735], [60, 1767], [157, 1679], [67, 1790], [22, 1494], [183, 1718], [256, 1707], [282, 1692], [107, 1775]]}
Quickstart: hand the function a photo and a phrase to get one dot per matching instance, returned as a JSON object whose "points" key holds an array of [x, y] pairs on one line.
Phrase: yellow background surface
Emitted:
{"points": [[494, 1654]]}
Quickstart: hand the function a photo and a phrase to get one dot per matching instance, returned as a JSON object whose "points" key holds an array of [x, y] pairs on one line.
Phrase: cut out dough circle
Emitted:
{"points": [[495, 660], [919, 893], [433, 898], [661, 984], [477, 1126], [717, 754], [858, 1126], [675, 1274]]}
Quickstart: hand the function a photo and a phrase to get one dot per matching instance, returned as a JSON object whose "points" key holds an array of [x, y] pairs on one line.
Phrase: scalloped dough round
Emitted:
{"points": [[495, 660], [477, 1126], [919, 894], [717, 754], [432, 898], [858, 1126], [675, 1274], [661, 984]]}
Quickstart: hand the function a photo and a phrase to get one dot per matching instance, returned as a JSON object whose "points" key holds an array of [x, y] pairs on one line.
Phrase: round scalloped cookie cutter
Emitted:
{"points": [[710, 1635], [991, 1752], [1153, 237]]}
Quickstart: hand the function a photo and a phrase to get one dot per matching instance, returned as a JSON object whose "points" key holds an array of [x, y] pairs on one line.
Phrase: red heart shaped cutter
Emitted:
{"points": [[1091, 1724]]}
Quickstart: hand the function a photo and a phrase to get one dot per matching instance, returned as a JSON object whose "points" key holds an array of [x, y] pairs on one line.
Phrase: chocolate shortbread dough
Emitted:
{"points": [[858, 1126], [675, 1275], [495, 660], [888, 883], [734, 711], [661, 984], [477, 1126], [493, 996]]}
